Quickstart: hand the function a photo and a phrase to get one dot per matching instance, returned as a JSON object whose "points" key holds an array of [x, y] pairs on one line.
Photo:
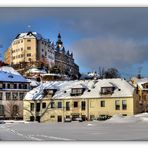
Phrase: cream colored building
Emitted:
{"points": [[56, 101], [31, 48], [7, 56]]}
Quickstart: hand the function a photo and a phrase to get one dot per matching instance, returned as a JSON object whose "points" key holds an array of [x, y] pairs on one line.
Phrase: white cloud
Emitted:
{"points": [[110, 52]]}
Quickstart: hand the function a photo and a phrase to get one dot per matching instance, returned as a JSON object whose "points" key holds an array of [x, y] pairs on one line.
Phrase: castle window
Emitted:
{"points": [[28, 54], [29, 48]]}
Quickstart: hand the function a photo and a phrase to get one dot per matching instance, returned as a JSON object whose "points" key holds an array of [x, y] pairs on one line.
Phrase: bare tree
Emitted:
{"points": [[101, 72], [13, 109], [112, 73]]}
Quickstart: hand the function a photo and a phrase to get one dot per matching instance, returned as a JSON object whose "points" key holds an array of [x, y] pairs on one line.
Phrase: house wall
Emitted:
{"points": [[92, 109]]}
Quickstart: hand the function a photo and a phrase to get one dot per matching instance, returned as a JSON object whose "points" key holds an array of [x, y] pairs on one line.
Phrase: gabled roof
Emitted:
{"points": [[122, 89]]}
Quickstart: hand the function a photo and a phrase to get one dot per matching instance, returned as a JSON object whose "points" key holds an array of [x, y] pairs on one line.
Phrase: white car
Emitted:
{"points": [[67, 120]]}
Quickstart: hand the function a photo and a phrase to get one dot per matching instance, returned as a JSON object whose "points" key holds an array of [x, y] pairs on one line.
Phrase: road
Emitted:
{"points": [[74, 131]]}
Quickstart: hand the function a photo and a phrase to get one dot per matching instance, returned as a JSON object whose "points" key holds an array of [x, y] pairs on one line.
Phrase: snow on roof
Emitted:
{"points": [[36, 70], [31, 35], [33, 83], [140, 84], [8, 74], [137, 80], [92, 89]]}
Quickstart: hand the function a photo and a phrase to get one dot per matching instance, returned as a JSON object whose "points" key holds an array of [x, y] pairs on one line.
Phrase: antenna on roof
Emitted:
{"points": [[139, 72], [29, 27]]}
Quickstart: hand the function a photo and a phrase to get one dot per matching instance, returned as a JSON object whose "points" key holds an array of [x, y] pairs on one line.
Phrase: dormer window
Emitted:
{"points": [[107, 90], [49, 92], [77, 91]]}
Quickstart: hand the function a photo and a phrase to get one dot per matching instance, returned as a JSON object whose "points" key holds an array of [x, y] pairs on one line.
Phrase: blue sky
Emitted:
{"points": [[106, 37]]}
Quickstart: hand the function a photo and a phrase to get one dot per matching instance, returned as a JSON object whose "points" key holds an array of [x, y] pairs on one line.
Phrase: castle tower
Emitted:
{"points": [[59, 43]]}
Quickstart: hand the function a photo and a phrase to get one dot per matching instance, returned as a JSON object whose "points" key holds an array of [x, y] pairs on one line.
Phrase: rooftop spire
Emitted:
{"points": [[59, 43]]}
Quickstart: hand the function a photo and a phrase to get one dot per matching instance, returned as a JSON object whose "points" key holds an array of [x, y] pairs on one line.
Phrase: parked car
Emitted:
{"points": [[103, 117], [79, 119], [67, 120]]}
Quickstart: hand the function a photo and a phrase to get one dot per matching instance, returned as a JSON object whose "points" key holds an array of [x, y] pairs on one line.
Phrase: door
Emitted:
{"points": [[38, 107], [38, 118]]}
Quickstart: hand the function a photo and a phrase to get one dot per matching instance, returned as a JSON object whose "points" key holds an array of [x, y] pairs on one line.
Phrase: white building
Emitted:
{"points": [[13, 88]]}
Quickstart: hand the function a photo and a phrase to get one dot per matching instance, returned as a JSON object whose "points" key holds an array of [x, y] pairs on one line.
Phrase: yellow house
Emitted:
{"points": [[30, 49], [87, 99]]}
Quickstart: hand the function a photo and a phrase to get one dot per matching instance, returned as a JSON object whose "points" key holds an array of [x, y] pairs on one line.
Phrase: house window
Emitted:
{"points": [[107, 90], [38, 107], [52, 116], [11, 86], [83, 105], [75, 104], [32, 106], [67, 106], [28, 40], [14, 96], [8, 86], [1, 110], [124, 105], [59, 104], [43, 105], [15, 86], [1, 85], [1, 96], [4, 85], [52, 104], [25, 86], [8, 96], [117, 105], [20, 86], [76, 91], [102, 103], [22, 96]]}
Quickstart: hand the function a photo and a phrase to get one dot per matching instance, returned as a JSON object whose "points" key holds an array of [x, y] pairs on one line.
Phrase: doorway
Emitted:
{"points": [[59, 118]]}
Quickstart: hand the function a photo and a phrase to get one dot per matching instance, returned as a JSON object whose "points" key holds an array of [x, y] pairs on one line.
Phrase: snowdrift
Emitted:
{"points": [[143, 117]]}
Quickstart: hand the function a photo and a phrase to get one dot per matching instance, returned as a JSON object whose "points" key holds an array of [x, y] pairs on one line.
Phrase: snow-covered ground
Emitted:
{"points": [[117, 128], [143, 117]]}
